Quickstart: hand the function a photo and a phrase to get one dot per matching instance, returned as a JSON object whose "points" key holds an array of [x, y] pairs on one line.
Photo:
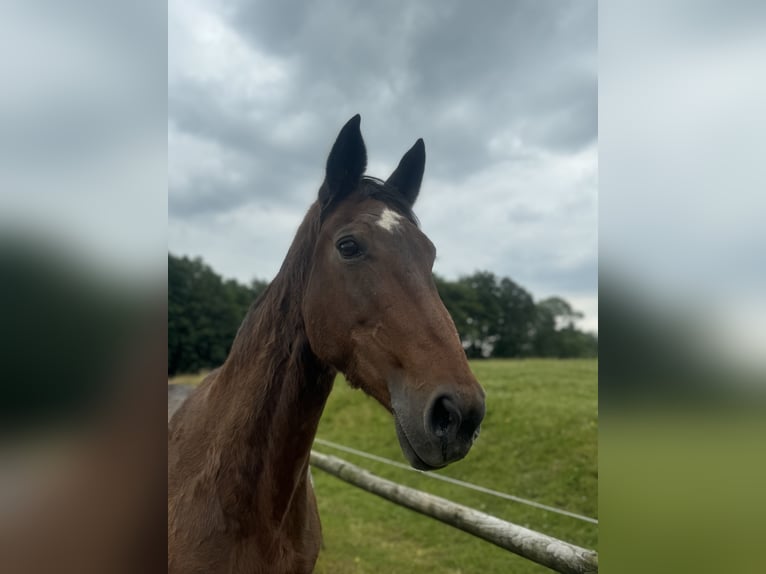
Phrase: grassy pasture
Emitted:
{"points": [[538, 441]]}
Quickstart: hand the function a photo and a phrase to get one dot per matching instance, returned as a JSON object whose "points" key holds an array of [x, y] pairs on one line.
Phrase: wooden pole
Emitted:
{"points": [[551, 552]]}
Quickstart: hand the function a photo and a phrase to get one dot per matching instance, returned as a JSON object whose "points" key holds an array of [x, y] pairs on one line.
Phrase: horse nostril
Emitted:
{"points": [[445, 418], [472, 419]]}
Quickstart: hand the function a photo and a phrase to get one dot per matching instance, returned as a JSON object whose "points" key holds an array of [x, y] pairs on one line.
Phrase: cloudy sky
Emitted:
{"points": [[503, 93]]}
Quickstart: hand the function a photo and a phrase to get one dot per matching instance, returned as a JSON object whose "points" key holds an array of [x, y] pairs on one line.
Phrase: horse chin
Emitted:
{"points": [[409, 451]]}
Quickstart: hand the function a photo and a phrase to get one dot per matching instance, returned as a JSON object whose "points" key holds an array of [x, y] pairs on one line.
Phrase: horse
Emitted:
{"points": [[355, 294]]}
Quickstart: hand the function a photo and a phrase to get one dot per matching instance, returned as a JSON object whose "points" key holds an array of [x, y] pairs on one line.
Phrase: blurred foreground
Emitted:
{"points": [[82, 437], [83, 209], [682, 390]]}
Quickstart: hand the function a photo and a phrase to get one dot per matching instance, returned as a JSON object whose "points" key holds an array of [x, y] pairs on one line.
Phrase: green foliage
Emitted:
{"points": [[204, 313], [551, 339], [495, 317], [498, 318]]}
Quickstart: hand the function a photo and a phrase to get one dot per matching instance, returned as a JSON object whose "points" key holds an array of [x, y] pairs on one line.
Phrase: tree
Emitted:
{"points": [[496, 317], [463, 305], [204, 313], [493, 316], [515, 322], [555, 334]]}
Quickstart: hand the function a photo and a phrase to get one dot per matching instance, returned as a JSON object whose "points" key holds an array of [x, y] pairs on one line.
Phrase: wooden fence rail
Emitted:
{"points": [[546, 550]]}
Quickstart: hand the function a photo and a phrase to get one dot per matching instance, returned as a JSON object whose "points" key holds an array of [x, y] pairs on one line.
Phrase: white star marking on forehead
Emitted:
{"points": [[389, 220]]}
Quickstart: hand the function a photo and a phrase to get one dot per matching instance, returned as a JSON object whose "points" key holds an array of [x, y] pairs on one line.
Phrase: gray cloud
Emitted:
{"points": [[504, 94], [459, 71], [578, 278]]}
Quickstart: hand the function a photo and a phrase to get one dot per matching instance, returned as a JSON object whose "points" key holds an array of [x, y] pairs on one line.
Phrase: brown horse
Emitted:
{"points": [[355, 294]]}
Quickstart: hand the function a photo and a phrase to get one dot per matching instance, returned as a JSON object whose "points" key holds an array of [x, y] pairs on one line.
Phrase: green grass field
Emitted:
{"points": [[539, 441]]}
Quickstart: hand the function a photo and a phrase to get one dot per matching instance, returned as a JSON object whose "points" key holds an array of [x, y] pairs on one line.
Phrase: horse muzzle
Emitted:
{"points": [[440, 430]]}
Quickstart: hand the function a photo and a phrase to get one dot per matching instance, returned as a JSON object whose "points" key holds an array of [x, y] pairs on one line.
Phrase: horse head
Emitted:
{"points": [[372, 311]]}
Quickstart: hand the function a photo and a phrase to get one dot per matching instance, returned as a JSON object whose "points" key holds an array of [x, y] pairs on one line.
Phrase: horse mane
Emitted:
{"points": [[270, 353], [373, 188], [284, 296]]}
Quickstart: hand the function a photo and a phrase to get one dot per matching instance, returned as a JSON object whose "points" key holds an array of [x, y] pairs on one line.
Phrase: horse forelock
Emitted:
{"points": [[373, 188]]}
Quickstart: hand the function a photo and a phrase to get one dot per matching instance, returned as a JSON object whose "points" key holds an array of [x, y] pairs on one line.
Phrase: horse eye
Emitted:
{"points": [[348, 248]]}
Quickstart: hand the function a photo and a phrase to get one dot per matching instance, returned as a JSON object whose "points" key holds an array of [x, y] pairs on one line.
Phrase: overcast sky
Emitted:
{"points": [[504, 93]]}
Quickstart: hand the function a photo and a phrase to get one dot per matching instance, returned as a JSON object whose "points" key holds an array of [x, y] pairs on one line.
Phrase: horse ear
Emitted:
{"points": [[345, 164], [409, 173]]}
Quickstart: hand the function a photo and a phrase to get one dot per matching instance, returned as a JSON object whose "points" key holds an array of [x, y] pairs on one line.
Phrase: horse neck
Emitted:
{"points": [[275, 389]]}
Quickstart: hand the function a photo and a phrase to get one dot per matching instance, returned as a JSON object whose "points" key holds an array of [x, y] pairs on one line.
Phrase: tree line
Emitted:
{"points": [[494, 316]]}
